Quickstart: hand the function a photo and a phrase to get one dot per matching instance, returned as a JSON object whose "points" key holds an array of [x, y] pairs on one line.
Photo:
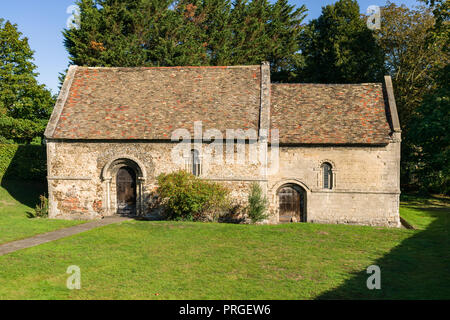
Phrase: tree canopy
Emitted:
{"points": [[338, 47], [410, 58], [24, 104], [430, 135], [427, 139], [186, 32]]}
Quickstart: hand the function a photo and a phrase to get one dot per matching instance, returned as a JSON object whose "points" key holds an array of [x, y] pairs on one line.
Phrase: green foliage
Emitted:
{"points": [[339, 48], [20, 130], [186, 32], [186, 197], [415, 45], [23, 162], [410, 58], [441, 28], [24, 104], [257, 204], [41, 209], [430, 133]]}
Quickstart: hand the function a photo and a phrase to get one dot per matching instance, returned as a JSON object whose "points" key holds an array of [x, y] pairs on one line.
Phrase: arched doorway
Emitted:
{"points": [[292, 203], [124, 179], [126, 191]]}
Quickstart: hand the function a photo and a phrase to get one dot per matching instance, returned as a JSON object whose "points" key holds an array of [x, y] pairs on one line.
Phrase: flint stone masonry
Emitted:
{"points": [[72, 195], [104, 121]]}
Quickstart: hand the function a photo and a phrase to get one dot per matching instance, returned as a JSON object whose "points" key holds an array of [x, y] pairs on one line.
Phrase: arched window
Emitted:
{"points": [[327, 176], [195, 162]]}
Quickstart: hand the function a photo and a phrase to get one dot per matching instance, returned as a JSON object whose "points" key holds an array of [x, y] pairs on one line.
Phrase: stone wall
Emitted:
{"points": [[365, 179], [366, 183], [78, 175]]}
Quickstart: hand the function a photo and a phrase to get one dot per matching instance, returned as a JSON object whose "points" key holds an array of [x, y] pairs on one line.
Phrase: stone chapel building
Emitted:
{"points": [[109, 137]]}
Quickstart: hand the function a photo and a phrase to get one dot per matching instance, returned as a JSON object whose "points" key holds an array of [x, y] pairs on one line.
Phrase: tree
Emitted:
{"points": [[414, 55], [110, 35], [441, 12], [25, 106], [186, 32], [410, 58], [264, 31], [339, 48], [430, 133], [257, 204], [429, 126]]}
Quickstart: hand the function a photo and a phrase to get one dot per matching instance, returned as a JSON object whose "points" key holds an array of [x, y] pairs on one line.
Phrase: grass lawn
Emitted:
{"points": [[16, 200], [421, 212], [179, 260]]}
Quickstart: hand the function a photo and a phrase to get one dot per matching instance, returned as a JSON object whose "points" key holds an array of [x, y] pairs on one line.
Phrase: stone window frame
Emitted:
{"points": [[320, 178], [188, 166], [327, 176]]}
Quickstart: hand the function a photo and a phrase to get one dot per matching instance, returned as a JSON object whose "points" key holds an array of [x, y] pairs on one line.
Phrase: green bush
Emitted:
{"points": [[41, 210], [186, 197], [21, 130], [23, 162], [257, 204]]}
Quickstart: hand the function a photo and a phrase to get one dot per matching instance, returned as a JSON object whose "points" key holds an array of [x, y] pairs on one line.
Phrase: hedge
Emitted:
{"points": [[23, 162], [21, 130]]}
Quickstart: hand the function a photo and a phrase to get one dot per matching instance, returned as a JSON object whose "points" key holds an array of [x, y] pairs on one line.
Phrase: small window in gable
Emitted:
{"points": [[195, 162], [327, 176]]}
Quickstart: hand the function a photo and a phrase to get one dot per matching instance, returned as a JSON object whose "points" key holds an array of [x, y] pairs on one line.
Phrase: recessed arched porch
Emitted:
{"points": [[124, 178]]}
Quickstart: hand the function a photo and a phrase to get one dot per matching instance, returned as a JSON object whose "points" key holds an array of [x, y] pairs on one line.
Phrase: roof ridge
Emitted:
{"points": [[326, 84], [165, 67]]}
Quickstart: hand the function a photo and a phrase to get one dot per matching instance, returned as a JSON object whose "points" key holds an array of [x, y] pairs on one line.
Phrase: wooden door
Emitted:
{"points": [[290, 205], [126, 191]]}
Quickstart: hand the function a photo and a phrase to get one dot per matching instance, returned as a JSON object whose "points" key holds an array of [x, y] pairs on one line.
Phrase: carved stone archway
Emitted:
{"points": [[108, 177]]}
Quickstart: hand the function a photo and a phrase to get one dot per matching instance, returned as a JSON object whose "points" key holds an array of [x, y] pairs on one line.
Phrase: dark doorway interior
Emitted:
{"points": [[126, 191], [292, 200]]}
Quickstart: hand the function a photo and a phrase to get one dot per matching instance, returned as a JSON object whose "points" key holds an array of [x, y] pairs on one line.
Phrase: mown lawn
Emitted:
{"points": [[17, 200], [421, 212], [178, 260]]}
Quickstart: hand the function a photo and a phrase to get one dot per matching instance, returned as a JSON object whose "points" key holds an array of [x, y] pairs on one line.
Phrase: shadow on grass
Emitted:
{"points": [[419, 268], [417, 200], [25, 177], [25, 192]]}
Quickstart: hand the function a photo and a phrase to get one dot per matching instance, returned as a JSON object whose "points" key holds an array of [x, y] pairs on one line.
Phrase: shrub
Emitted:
{"points": [[21, 130], [41, 210], [257, 204], [186, 197]]}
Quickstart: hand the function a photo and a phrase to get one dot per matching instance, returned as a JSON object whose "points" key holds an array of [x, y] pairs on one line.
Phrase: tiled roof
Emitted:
{"points": [[150, 103], [330, 113]]}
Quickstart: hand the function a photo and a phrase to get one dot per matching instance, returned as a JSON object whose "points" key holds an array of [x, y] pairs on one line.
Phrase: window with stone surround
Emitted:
{"points": [[327, 175], [195, 163]]}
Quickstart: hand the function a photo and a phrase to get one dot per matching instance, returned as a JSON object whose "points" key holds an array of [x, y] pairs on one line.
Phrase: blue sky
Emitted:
{"points": [[42, 22]]}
